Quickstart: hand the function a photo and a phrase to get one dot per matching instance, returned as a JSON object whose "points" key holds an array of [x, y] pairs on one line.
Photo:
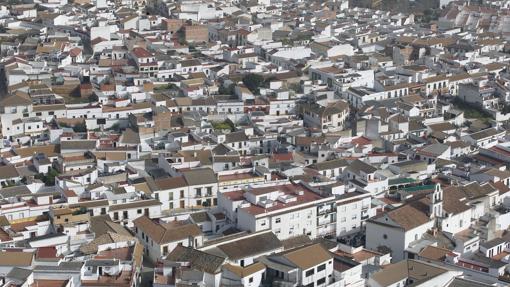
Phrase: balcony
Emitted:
{"points": [[325, 221], [325, 211], [283, 283]]}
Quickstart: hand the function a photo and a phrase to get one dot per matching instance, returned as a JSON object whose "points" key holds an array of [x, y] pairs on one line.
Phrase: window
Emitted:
{"points": [[385, 236], [165, 250], [250, 280], [321, 281], [309, 272], [321, 267], [139, 211]]}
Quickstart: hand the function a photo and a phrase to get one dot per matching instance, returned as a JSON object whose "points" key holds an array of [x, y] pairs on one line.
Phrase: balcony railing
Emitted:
{"points": [[324, 211]]}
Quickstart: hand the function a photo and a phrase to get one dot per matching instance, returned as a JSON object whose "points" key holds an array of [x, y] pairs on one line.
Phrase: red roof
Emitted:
{"points": [[46, 252], [141, 52], [74, 52], [69, 193], [282, 157], [107, 87], [97, 40], [361, 141], [307, 196]]}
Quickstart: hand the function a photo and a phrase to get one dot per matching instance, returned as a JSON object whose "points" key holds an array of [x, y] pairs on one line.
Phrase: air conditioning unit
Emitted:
{"points": [[267, 203], [286, 198]]}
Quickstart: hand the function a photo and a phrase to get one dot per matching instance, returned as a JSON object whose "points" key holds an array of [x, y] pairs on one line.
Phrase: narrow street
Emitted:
{"points": [[147, 272]]}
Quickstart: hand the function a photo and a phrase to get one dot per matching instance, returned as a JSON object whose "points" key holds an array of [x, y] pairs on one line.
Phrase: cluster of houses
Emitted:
{"points": [[254, 143]]}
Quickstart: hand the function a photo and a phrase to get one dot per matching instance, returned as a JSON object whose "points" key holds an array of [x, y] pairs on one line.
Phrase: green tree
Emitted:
{"points": [[253, 82], [506, 109], [116, 127], [49, 178], [80, 128], [229, 90], [93, 98]]}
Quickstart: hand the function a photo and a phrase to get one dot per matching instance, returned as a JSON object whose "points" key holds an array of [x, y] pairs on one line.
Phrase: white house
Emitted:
{"points": [[160, 238]]}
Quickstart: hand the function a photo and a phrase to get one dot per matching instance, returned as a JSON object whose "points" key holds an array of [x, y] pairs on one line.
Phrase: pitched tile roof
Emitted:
{"points": [[200, 176], [251, 246], [306, 257], [16, 258], [161, 232], [198, 260]]}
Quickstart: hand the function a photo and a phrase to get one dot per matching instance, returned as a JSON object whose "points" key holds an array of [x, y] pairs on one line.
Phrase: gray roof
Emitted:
{"points": [[78, 145], [221, 149], [130, 137], [200, 217], [198, 260], [251, 246], [493, 243], [14, 191], [330, 164], [235, 137], [488, 261], [102, 224], [101, 262], [63, 267], [358, 165], [435, 149], [19, 274], [484, 134], [200, 176], [192, 275], [463, 282]]}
